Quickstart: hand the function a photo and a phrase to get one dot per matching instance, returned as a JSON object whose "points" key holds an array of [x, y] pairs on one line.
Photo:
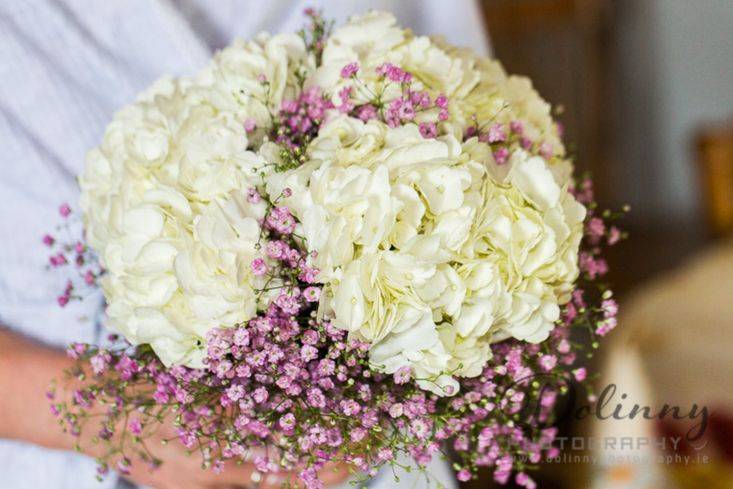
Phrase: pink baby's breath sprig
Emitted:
{"points": [[412, 106], [350, 70], [297, 123], [67, 248], [316, 33]]}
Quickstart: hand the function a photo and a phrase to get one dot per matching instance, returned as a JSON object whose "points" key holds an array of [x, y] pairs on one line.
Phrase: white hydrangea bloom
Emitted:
{"points": [[164, 199], [408, 227]]}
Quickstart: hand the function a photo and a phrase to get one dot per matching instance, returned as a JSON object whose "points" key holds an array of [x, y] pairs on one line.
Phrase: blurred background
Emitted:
{"points": [[646, 91]]}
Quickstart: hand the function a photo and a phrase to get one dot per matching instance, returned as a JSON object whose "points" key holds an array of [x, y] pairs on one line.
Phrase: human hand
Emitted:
{"points": [[181, 470], [26, 370]]}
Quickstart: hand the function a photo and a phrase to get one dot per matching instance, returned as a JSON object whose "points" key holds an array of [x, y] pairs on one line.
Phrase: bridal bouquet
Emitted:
{"points": [[352, 245]]}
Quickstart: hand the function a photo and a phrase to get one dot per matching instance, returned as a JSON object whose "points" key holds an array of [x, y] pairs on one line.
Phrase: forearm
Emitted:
{"points": [[27, 369]]}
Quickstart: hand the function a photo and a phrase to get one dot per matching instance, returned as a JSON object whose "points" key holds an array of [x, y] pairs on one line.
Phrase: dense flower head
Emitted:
{"points": [[354, 245]]}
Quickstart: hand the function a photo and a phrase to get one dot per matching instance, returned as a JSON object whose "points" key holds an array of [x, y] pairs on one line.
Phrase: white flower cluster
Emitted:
{"points": [[428, 248], [427, 256], [164, 199]]}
